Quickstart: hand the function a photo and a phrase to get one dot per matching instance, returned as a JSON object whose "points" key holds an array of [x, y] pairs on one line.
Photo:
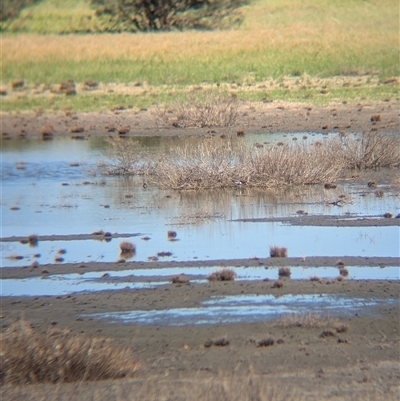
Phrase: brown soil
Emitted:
{"points": [[315, 363], [176, 362], [261, 118]]}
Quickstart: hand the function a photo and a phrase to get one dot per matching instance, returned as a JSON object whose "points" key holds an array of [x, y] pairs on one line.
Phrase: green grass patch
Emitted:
{"points": [[86, 102], [278, 39]]}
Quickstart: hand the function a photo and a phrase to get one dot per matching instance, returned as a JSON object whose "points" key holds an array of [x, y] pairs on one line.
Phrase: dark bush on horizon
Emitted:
{"points": [[166, 15], [11, 8]]}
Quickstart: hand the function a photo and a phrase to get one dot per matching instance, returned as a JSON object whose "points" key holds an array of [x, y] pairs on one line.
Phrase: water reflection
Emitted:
{"points": [[61, 284], [52, 187]]}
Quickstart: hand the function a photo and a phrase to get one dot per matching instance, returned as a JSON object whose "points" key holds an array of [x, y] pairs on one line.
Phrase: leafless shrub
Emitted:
{"points": [[372, 150], [278, 252], [59, 356], [284, 272], [213, 163], [124, 157], [277, 284], [315, 278], [222, 275], [200, 111]]}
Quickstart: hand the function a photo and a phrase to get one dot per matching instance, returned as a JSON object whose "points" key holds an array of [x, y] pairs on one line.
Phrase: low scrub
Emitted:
{"points": [[199, 112], [280, 252], [312, 321], [219, 163], [284, 271], [58, 356], [371, 150], [155, 15], [228, 162], [124, 157], [222, 275]]}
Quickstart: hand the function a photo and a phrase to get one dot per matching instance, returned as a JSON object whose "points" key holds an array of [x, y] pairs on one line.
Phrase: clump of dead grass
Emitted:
{"points": [[284, 272], [222, 275], [200, 111], [278, 252], [312, 321], [33, 240], [59, 356], [181, 279], [127, 247]]}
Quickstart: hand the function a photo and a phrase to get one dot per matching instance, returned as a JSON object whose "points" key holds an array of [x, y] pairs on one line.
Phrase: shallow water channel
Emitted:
{"points": [[54, 188], [248, 309], [138, 279]]}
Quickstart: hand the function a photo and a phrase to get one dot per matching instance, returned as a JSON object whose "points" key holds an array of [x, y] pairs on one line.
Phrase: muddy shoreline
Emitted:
{"points": [[369, 342], [253, 118], [363, 358], [81, 268]]}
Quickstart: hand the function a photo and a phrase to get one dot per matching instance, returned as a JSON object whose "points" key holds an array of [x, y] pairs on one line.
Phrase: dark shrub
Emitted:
{"points": [[164, 15]]}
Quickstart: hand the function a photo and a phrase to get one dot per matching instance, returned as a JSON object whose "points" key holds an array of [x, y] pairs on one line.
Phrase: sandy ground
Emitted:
{"points": [[361, 362]]}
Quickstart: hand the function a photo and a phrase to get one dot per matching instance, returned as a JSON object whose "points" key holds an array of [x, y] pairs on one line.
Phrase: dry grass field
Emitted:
{"points": [[283, 46]]}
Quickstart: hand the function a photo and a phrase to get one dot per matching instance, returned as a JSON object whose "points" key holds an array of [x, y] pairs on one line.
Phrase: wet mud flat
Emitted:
{"points": [[315, 352], [320, 329], [270, 117]]}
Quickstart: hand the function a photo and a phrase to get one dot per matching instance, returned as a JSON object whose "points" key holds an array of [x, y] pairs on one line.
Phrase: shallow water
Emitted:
{"points": [[137, 279], [55, 197], [248, 309]]}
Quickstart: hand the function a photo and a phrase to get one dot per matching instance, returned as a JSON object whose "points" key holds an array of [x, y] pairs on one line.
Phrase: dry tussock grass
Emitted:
{"points": [[168, 46], [311, 321], [222, 275], [58, 356], [227, 387], [280, 252]]}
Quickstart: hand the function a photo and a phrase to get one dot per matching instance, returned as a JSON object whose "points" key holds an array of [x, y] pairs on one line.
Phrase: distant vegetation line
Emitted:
{"points": [[306, 41]]}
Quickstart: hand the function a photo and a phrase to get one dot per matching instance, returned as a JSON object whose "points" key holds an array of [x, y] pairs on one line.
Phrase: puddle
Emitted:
{"points": [[34, 178], [219, 240], [62, 284], [66, 284], [247, 309]]}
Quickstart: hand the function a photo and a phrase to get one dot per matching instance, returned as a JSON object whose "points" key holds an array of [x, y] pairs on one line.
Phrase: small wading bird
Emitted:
{"points": [[239, 182]]}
